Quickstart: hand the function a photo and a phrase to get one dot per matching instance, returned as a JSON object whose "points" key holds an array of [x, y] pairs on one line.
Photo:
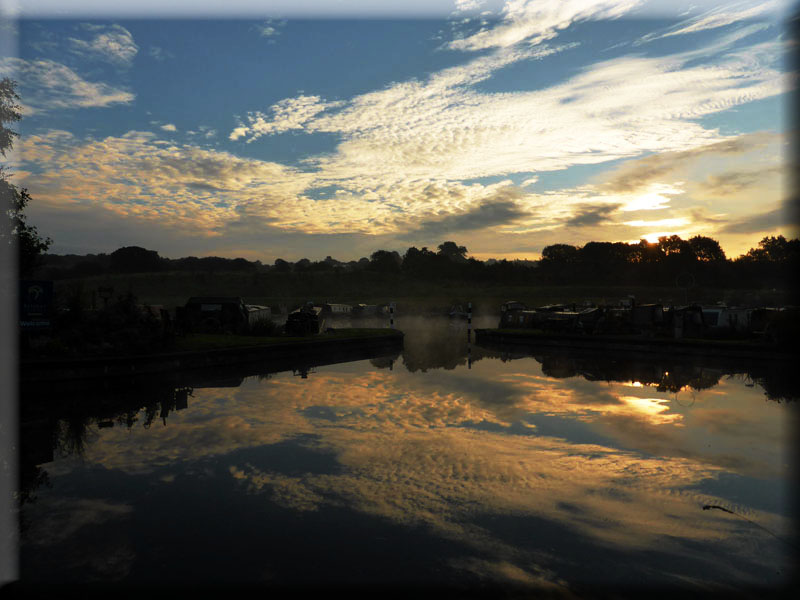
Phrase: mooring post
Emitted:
{"points": [[391, 315], [469, 355], [469, 321]]}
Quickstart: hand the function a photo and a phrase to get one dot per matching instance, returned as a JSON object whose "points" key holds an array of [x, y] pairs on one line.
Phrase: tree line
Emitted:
{"points": [[673, 261], [669, 261]]}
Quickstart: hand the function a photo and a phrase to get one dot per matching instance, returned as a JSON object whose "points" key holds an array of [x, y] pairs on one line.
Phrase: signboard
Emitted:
{"points": [[35, 303]]}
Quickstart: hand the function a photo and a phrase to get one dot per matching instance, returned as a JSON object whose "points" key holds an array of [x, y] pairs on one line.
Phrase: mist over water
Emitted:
{"points": [[441, 463]]}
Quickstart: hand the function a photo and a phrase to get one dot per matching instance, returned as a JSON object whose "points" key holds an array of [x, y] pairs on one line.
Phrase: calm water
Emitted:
{"points": [[421, 466]]}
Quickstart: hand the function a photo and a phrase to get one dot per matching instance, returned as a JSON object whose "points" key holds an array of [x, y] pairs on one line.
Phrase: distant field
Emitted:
{"points": [[418, 297]]}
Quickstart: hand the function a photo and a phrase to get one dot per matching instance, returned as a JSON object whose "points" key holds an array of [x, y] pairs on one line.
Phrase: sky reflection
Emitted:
{"points": [[471, 456]]}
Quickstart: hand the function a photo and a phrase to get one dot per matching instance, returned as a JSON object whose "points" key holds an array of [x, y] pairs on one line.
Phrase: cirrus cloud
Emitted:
{"points": [[443, 128], [50, 85], [535, 22]]}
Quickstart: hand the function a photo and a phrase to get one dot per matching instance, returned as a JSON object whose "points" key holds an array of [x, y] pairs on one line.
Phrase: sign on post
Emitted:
{"points": [[35, 304]]}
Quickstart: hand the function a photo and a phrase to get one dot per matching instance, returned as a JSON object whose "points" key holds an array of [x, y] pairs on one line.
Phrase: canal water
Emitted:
{"points": [[438, 464]]}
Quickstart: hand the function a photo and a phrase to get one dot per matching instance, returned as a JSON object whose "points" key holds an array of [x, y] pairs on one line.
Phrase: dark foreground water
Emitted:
{"points": [[441, 464]]}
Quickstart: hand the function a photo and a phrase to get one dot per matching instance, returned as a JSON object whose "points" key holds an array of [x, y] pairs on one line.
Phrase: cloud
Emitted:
{"points": [[169, 127], [732, 182], [589, 215], [204, 131], [760, 222], [49, 85], [592, 215], [488, 215], [635, 175], [113, 44], [139, 176], [720, 16], [536, 22], [208, 192], [468, 5], [373, 111], [291, 113], [270, 28], [442, 128], [700, 216]]}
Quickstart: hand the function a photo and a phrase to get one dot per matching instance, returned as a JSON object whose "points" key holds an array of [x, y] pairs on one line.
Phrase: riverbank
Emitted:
{"points": [[413, 296], [208, 350], [527, 338]]}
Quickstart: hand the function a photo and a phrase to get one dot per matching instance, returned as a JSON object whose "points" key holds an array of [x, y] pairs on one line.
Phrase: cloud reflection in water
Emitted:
{"points": [[408, 451]]}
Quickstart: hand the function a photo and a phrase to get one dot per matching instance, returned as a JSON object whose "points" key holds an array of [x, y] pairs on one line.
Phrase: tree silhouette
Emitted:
{"points": [[385, 261], [453, 251], [282, 266], [9, 113], [15, 230], [673, 245], [420, 263], [647, 252], [707, 249], [133, 259], [560, 253], [772, 249]]}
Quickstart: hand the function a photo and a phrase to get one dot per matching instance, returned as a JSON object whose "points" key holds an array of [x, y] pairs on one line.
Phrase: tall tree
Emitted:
{"points": [[770, 249], [29, 244], [453, 251], [707, 249], [133, 259], [15, 230], [9, 113], [385, 261], [674, 245], [559, 254], [645, 252]]}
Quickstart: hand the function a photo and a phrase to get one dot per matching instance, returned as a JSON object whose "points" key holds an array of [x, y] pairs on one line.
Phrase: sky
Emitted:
{"points": [[308, 129]]}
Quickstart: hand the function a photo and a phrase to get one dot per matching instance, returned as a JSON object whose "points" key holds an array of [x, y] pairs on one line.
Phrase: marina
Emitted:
{"points": [[758, 332]]}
